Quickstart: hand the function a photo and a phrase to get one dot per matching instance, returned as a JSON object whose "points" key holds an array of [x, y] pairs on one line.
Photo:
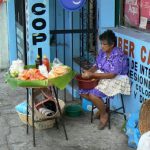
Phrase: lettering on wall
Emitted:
{"points": [[38, 23], [37, 29], [139, 70]]}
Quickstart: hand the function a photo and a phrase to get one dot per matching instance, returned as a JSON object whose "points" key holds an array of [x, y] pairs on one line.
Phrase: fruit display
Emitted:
{"points": [[58, 71], [16, 68], [41, 73], [31, 74]]}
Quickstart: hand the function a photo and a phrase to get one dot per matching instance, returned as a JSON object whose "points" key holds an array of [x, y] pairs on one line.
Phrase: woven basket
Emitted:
{"points": [[23, 118], [38, 125], [39, 116], [48, 123], [144, 119]]}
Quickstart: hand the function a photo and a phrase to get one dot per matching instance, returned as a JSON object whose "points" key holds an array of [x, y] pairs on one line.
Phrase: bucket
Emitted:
{"points": [[73, 110], [86, 105]]}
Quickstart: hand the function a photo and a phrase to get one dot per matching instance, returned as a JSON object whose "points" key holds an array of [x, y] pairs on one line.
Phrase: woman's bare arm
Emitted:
{"points": [[93, 69], [89, 75], [103, 75]]}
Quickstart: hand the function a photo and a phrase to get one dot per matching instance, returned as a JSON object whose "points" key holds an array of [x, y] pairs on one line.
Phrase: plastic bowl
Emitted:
{"points": [[86, 83], [73, 110]]}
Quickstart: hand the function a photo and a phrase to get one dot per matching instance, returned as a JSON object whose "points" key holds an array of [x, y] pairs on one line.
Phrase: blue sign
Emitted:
{"points": [[72, 5], [138, 53], [37, 24]]}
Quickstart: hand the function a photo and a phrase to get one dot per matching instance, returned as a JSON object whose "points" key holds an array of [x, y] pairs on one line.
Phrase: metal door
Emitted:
{"points": [[73, 35]]}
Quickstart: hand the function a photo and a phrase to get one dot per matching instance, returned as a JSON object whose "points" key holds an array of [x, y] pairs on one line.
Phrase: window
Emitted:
{"points": [[133, 14]]}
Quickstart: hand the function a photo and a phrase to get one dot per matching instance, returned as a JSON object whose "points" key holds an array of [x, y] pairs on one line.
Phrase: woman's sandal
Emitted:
{"points": [[101, 126]]}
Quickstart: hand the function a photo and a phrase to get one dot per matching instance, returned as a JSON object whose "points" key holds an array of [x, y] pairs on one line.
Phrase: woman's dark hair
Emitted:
{"points": [[109, 36]]}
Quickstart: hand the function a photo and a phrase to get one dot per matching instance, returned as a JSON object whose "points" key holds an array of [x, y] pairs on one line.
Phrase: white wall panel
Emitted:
{"points": [[4, 60]]}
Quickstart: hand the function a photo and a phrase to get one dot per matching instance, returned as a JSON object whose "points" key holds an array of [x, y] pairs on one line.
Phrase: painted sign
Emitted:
{"points": [[132, 12], [37, 23], [145, 14], [145, 8], [139, 69]]}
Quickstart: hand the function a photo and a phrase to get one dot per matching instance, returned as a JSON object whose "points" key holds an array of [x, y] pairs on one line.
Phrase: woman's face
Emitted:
{"points": [[106, 47]]}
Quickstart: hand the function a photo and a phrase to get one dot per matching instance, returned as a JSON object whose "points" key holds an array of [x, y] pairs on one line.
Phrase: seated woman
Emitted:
{"points": [[110, 63]]}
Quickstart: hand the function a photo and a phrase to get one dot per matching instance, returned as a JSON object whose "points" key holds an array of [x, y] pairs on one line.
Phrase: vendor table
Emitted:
{"points": [[32, 108], [59, 82]]}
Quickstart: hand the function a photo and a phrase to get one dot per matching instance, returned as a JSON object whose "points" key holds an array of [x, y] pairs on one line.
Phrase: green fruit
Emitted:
{"points": [[14, 74]]}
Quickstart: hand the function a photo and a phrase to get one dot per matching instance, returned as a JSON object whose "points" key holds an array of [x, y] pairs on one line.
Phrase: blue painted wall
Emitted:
{"points": [[138, 51], [64, 51], [11, 31], [106, 10]]}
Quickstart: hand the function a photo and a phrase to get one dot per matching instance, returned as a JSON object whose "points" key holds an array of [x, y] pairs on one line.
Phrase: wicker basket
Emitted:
{"points": [[38, 125], [23, 118], [144, 119], [39, 116]]}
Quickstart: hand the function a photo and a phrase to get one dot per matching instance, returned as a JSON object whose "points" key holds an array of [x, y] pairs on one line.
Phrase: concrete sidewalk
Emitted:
{"points": [[81, 133]]}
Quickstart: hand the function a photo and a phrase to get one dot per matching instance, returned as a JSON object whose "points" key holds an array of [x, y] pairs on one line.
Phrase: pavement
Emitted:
{"points": [[82, 134]]}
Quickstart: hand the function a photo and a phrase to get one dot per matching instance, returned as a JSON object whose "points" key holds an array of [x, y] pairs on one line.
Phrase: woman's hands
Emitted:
{"points": [[87, 74]]}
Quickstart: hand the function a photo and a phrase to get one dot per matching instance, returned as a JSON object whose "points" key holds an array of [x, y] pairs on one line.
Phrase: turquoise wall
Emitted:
{"points": [[11, 31], [106, 10], [59, 25], [64, 50], [138, 52]]}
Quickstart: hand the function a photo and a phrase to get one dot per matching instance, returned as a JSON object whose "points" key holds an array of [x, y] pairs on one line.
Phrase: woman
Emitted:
{"points": [[110, 62]]}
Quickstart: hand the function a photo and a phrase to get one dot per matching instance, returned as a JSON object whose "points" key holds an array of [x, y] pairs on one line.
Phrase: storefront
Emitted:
{"points": [[66, 34]]}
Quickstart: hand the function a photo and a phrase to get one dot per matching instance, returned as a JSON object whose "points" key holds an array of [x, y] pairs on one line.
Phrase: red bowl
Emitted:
{"points": [[86, 83]]}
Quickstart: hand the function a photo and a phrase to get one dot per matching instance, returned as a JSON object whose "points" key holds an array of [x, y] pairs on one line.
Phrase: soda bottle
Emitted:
{"points": [[46, 62], [37, 61]]}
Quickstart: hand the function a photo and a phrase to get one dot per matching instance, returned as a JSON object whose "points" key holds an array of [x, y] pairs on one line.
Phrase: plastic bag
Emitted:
{"points": [[22, 107], [136, 136], [58, 69], [132, 130], [144, 142], [57, 62], [133, 120]]}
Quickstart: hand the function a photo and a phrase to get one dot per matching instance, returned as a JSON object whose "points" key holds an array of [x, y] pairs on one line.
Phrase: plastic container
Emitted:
{"points": [[86, 105], [73, 110], [46, 62], [86, 83]]}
